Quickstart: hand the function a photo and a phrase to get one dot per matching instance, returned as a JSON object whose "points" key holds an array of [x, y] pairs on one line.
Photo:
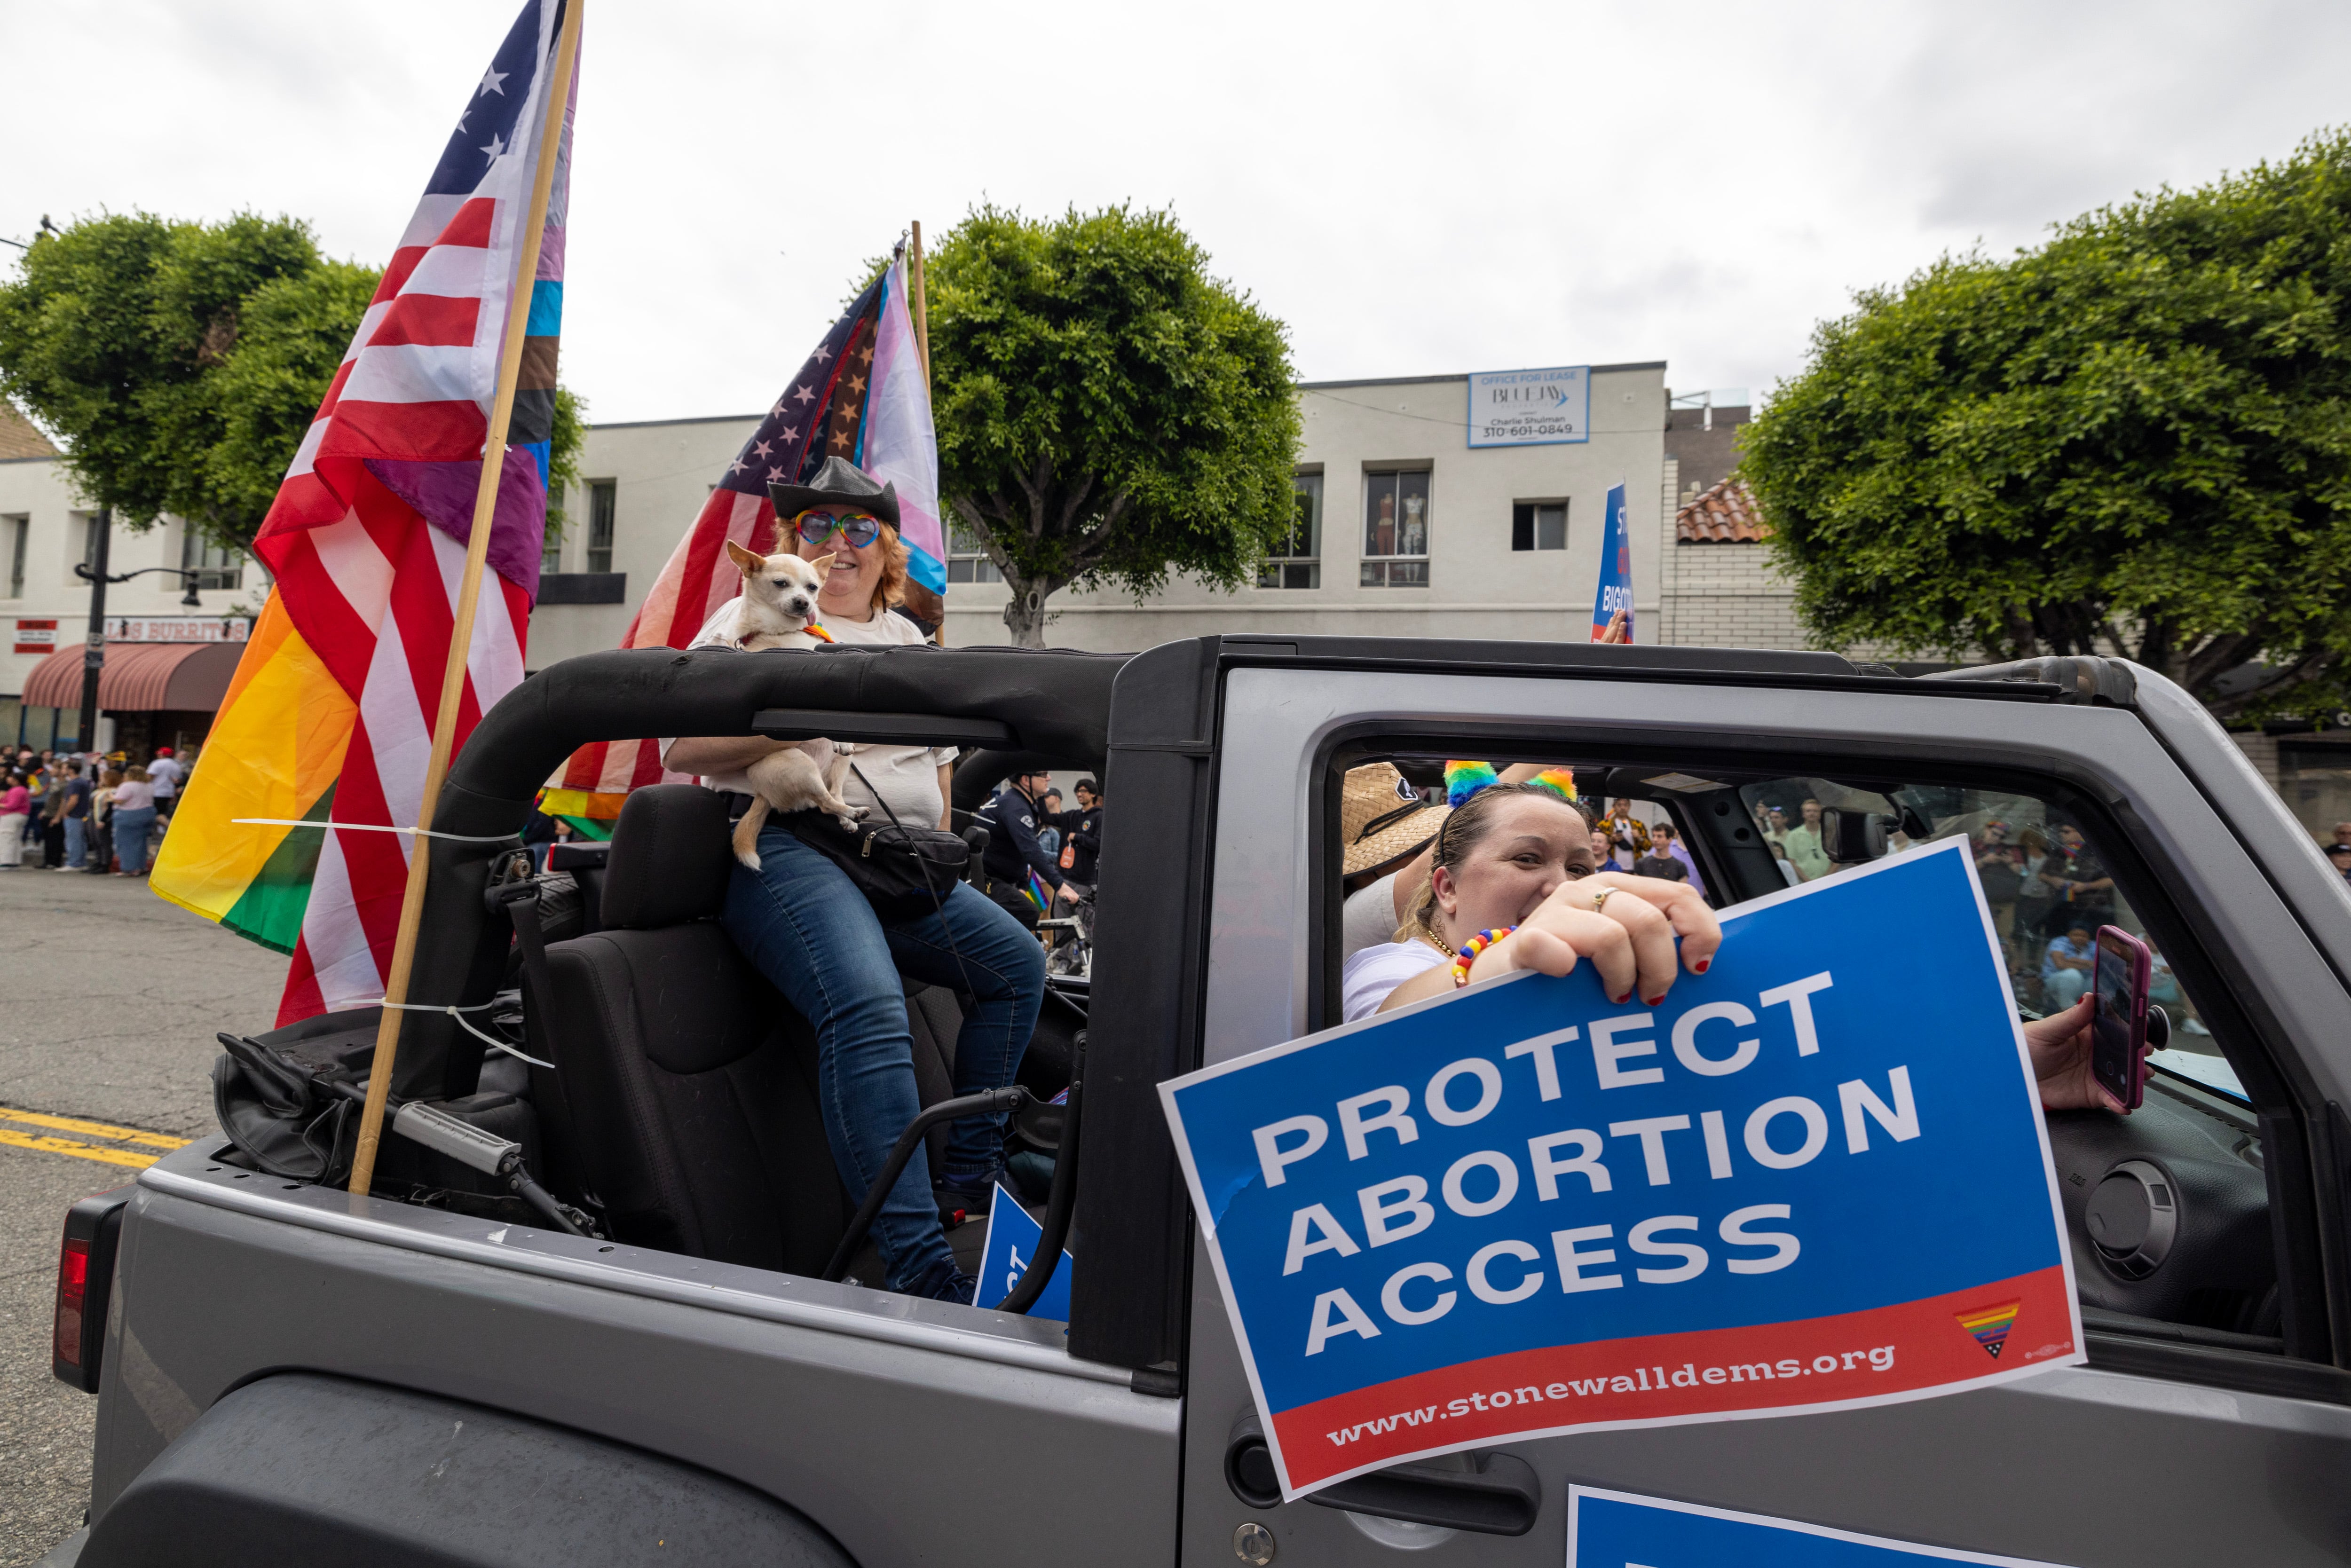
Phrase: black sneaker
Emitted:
{"points": [[946, 1283]]}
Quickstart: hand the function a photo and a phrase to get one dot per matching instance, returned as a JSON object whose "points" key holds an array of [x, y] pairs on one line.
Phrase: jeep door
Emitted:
{"points": [[2178, 1442]]}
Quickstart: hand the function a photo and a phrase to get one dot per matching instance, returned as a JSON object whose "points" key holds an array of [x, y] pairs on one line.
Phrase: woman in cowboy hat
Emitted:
{"points": [[807, 928]]}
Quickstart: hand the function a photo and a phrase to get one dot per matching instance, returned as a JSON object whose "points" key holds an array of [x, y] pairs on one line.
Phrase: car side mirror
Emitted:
{"points": [[1849, 836]]}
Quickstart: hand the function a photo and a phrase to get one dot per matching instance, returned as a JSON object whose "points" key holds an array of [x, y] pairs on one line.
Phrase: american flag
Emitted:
{"points": [[367, 538], [862, 395]]}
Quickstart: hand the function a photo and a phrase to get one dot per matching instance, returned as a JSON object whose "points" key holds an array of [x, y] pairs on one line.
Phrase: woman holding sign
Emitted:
{"points": [[1513, 884]]}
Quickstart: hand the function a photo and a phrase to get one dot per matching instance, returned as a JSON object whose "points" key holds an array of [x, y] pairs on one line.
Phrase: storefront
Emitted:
{"points": [[150, 694]]}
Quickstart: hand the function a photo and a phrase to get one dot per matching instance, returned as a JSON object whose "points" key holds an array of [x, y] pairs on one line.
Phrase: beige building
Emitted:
{"points": [[174, 649], [1404, 528], [1718, 590]]}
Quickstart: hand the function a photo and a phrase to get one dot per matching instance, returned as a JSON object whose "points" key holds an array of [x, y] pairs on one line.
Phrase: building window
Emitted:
{"points": [[1538, 524], [87, 522], [967, 557], [1396, 528], [18, 530], [215, 566], [550, 539], [1296, 559], [599, 524]]}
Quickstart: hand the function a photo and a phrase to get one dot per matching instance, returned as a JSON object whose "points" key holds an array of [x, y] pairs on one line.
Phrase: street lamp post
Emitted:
{"points": [[93, 658]]}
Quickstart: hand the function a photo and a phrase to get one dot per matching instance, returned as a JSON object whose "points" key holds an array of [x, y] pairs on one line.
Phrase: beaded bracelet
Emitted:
{"points": [[1470, 949]]}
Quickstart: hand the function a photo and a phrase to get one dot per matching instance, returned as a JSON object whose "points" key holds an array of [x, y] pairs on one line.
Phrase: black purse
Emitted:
{"points": [[902, 871]]}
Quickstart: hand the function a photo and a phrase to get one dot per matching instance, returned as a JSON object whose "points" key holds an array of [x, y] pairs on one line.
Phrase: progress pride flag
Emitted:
{"points": [[1814, 1177]]}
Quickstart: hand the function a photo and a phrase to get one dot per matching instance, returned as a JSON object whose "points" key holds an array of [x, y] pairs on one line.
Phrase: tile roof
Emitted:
{"points": [[19, 437], [1726, 515]]}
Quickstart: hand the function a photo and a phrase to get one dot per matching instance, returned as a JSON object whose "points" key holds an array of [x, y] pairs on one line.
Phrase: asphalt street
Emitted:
{"points": [[109, 1000]]}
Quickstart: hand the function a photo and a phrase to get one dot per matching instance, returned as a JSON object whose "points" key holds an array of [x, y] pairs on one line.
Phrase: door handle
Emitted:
{"points": [[1501, 1496]]}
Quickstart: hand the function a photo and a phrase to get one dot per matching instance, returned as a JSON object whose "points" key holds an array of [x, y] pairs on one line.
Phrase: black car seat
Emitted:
{"points": [[690, 1083]]}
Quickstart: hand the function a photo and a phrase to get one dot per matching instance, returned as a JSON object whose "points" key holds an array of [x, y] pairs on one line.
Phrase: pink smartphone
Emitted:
{"points": [[2119, 1027]]}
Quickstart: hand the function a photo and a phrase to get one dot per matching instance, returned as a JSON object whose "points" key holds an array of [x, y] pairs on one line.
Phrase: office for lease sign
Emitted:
{"points": [[1531, 408], [1813, 1177]]}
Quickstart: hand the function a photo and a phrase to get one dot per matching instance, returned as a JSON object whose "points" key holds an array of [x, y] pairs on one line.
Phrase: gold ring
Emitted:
{"points": [[1600, 899]]}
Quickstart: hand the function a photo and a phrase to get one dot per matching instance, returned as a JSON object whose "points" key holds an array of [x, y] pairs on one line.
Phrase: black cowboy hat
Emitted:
{"points": [[839, 482]]}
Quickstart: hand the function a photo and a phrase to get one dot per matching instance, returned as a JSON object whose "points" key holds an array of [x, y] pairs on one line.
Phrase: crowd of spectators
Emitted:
{"points": [[88, 811]]}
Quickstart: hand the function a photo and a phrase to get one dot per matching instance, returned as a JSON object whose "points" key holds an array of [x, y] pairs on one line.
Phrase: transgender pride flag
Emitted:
{"points": [[862, 395], [329, 718]]}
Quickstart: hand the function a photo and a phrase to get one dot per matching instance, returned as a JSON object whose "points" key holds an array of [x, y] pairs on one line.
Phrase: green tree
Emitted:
{"points": [[182, 362], [259, 400], [110, 332], [1108, 412], [2135, 438]]}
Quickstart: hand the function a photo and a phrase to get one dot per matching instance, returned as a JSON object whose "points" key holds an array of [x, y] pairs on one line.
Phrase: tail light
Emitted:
{"points": [[73, 1290], [85, 1281]]}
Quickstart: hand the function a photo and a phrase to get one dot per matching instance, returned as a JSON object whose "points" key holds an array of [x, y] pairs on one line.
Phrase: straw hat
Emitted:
{"points": [[1383, 819]]}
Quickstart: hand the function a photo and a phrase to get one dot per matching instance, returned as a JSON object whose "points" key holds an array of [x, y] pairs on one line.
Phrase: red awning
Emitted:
{"points": [[140, 677]]}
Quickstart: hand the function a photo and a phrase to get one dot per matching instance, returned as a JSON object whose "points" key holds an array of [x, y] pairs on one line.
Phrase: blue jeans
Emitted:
{"points": [[76, 843], [803, 924], [2061, 989], [132, 826]]}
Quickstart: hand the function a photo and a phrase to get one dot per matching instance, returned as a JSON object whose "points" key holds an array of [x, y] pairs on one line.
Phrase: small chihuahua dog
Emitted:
{"points": [[778, 602]]}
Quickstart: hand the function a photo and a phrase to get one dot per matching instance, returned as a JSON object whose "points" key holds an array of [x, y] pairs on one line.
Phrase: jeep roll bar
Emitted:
{"points": [[1054, 706]]}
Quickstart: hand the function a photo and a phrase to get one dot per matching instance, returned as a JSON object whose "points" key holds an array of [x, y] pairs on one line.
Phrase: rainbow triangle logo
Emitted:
{"points": [[1990, 1325]]}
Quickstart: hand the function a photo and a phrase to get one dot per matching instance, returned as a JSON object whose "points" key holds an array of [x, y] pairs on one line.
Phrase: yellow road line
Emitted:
{"points": [[78, 1151], [93, 1129]]}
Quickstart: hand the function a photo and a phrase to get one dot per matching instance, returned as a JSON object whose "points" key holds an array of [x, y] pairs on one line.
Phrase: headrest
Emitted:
{"points": [[670, 858]]}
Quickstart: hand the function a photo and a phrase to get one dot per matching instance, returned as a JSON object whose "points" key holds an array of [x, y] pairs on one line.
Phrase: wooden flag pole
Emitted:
{"points": [[469, 589], [922, 309], [923, 346]]}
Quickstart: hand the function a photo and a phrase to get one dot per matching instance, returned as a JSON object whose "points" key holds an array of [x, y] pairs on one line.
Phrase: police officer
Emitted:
{"points": [[1013, 850]]}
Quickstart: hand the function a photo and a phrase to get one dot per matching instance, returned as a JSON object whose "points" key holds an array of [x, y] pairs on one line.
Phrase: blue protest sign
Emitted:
{"points": [[1012, 1238], [1615, 592], [1814, 1176], [1613, 1529]]}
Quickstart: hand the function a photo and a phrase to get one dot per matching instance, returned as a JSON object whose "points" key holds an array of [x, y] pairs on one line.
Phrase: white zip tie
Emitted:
{"points": [[459, 1014], [372, 828]]}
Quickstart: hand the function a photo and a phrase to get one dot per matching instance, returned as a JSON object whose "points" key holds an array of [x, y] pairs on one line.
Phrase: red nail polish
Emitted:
{"points": [[1702, 966], [1620, 1001], [1653, 1001]]}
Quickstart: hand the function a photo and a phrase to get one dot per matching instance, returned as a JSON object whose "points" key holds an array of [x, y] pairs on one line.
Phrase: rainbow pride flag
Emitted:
{"points": [[1989, 1326], [329, 718]]}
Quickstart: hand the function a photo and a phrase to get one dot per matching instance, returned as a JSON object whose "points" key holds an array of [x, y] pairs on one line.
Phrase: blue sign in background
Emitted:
{"points": [[1913, 982], [1615, 589], [1011, 1249], [1611, 1530]]}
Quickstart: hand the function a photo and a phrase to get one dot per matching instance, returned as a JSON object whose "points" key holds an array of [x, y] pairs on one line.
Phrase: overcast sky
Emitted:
{"points": [[1412, 189]]}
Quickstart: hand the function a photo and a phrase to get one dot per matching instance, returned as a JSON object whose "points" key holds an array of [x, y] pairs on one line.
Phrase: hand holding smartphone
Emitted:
{"points": [[2119, 977]]}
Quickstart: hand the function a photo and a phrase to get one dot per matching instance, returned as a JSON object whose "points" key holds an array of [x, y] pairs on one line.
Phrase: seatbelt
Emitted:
{"points": [[519, 901]]}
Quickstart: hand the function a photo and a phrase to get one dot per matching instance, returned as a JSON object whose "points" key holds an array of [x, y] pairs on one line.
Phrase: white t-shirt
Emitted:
{"points": [[164, 774], [1369, 916], [1370, 975], [132, 795], [907, 777]]}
